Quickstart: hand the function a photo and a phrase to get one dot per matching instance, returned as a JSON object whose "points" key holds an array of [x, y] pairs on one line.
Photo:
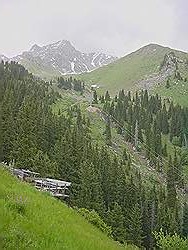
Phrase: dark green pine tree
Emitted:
{"points": [[116, 219], [8, 126], [102, 99], [108, 134], [164, 150], [43, 165], [26, 144], [134, 229], [107, 96], [95, 98], [164, 121], [124, 156], [171, 188], [105, 166], [178, 170], [145, 99], [185, 221], [167, 84], [112, 109], [1, 135], [146, 223], [87, 180], [173, 220]]}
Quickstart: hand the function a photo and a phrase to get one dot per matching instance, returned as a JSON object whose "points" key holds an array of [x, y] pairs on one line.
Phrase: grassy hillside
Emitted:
{"points": [[178, 92], [125, 72], [33, 220], [37, 69]]}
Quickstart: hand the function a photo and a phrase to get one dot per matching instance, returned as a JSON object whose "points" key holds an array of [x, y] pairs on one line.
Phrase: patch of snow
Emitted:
{"points": [[100, 63], [72, 67], [20, 57], [63, 74], [86, 67], [94, 86], [54, 65], [94, 57]]}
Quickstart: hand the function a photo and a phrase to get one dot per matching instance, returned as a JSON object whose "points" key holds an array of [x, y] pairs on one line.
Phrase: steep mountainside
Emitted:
{"points": [[60, 58], [148, 66], [25, 221], [116, 160]]}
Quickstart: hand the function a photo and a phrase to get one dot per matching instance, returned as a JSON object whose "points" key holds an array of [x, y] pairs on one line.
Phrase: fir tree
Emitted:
{"points": [[185, 221], [95, 98], [108, 132], [134, 229]]}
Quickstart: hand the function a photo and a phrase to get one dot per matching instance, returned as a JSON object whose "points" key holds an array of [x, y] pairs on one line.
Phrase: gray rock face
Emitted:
{"points": [[62, 57], [167, 68]]}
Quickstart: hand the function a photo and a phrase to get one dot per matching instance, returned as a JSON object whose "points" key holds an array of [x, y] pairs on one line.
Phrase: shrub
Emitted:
{"points": [[170, 242], [93, 217], [176, 141]]}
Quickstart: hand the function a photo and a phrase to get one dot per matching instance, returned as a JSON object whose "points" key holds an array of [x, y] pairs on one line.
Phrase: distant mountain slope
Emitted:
{"points": [[145, 67], [61, 58], [34, 220]]}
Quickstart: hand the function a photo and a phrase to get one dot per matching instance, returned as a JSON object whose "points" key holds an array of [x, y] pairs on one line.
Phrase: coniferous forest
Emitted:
{"points": [[60, 146]]}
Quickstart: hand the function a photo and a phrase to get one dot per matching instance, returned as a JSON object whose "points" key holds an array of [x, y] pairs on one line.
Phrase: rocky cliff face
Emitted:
{"points": [[63, 58]]}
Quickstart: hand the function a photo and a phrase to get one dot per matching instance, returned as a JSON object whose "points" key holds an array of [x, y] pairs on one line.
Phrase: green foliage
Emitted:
{"points": [[108, 132], [167, 84], [70, 83], [116, 219], [59, 144], [185, 221], [95, 98], [93, 217], [170, 242], [134, 227]]}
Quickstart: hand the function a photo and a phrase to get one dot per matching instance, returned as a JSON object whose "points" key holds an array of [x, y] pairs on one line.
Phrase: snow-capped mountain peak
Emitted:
{"points": [[62, 58]]}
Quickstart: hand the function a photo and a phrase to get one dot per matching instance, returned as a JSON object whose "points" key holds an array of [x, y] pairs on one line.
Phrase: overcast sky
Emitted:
{"points": [[113, 26]]}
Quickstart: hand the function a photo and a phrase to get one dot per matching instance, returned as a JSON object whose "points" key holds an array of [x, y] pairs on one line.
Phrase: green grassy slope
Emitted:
{"points": [[177, 92], [33, 220], [125, 72], [35, 67]]}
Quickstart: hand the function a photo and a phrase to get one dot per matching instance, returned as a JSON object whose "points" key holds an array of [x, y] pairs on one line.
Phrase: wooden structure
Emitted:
{"points": [[25, 175], [56, 187]]}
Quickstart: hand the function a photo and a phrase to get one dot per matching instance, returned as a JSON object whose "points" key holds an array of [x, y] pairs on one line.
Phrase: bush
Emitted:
{"points": [[170, 242], [93, 217], [176, 141]]}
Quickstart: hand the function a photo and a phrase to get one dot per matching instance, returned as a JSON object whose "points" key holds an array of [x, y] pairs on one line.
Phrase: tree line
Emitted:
{"points": [[70, 83]]}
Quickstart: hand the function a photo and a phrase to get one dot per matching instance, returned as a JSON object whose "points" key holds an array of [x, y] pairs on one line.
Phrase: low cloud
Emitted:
{"points": [[113, 26]]}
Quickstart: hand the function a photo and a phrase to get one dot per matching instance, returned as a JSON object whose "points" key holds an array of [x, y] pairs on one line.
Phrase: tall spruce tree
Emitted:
{"points": [[108, 132]]}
